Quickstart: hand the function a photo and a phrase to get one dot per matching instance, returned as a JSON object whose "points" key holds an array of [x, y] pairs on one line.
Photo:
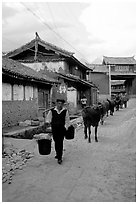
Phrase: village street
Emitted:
{"points": [[90, 172]]}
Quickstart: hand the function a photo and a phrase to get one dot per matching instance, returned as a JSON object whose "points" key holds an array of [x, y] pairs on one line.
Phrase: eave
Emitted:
{"points": [[77, 80], [28, 78]]}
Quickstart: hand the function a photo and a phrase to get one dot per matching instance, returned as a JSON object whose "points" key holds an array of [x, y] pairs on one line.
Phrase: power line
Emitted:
{"points": [[51, 14], [39, 12], [53, 19], [43, 22]]}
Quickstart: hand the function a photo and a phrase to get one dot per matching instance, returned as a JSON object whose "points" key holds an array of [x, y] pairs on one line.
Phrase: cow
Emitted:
{"points": [[91, 117], [107, 105], [111, 106], [117, 102], [104, 107]]}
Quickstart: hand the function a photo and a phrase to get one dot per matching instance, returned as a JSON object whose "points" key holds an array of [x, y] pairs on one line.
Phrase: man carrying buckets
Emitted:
{"points": [[59, 119]]}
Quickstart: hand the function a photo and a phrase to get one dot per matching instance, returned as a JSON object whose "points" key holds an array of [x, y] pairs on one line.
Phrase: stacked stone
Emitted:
{"points": [[13, 159]]}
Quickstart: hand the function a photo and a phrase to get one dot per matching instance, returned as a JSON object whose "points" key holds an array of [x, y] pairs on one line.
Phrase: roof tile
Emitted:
{"points": [[119, 60], [15, 67]]}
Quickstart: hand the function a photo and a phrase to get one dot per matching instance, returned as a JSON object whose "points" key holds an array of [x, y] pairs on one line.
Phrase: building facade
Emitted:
{"points": [[123, 68], [60, 64], [117, 87], [99, 75], [22, 90]]}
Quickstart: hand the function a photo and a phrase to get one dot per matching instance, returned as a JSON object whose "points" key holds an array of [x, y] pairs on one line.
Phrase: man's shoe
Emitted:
{"points": [[59, 161]]}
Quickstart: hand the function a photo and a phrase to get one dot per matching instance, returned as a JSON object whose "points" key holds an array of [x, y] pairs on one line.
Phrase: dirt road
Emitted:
{"points": [[91, 172]]}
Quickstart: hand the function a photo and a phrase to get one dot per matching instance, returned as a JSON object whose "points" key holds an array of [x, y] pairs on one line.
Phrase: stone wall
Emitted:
{"points": [[14, 112]]}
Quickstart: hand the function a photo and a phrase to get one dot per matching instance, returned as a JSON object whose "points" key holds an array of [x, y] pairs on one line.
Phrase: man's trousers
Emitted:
{"points": [[58, 137]]}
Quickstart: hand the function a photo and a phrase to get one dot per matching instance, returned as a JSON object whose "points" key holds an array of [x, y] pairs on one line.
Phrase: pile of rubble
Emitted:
{"points": [[77, 123], [13, 159]]}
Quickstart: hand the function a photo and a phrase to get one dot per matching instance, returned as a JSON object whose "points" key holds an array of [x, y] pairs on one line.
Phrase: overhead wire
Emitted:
{"points": [[53, 19], [51, 13], [51, 16], [47, 25]]}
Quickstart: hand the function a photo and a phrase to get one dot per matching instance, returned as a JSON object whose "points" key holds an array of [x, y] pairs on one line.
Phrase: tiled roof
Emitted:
{"points": [[61, 53], [74, 78], [43, 43], [119, 60], [98, 68], [80, 63], [64, 52], [15, 68]]}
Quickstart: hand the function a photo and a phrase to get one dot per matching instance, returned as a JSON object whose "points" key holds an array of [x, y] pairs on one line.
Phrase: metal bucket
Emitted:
{"points": [[70, 133], [44, 146]]}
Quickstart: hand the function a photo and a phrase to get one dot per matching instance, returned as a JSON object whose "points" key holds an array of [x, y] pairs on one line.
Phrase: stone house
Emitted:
{"points": [[60, 64], [118, 86], [22, 90], [113, 68], [99, 74], [123, 68]]}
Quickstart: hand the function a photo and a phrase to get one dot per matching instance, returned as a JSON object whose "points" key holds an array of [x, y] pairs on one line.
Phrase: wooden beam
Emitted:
{"points": [[36, 46]]}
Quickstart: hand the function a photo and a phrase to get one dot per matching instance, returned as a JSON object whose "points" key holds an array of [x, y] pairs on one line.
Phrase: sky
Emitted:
{"points": [[90, 29]]}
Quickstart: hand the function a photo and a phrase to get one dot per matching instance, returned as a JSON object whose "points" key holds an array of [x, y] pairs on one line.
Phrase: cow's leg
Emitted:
{"points": [[117, 107], [89, 138], [102, 120], [107, 113], [96, 139], [85, 131]]}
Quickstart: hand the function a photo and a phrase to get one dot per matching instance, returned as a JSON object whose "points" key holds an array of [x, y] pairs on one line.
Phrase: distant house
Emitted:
{"points": [[53, 61], [123, 68], [99, 75], [24, 92], [118, 86]]}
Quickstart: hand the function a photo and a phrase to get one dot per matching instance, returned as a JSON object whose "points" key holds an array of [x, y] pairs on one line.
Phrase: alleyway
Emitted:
{"points": [[91, 172]]}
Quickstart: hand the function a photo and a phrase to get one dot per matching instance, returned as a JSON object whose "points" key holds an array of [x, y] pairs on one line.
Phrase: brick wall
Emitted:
{"points": [[14, 112]]}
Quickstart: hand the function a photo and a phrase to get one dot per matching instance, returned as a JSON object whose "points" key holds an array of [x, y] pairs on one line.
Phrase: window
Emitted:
{"points": [[122, 68]]}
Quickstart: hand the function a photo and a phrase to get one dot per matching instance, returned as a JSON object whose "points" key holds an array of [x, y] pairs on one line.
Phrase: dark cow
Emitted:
{"points": [[91, 117], [111, 106], [106, 106], [117, 102]]}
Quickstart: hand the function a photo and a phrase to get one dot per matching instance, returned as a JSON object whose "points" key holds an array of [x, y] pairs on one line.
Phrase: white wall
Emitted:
{"points": [[35, 92], [51, 66], [18, 92], [6, 92], [28, 92], [72, 96]]}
